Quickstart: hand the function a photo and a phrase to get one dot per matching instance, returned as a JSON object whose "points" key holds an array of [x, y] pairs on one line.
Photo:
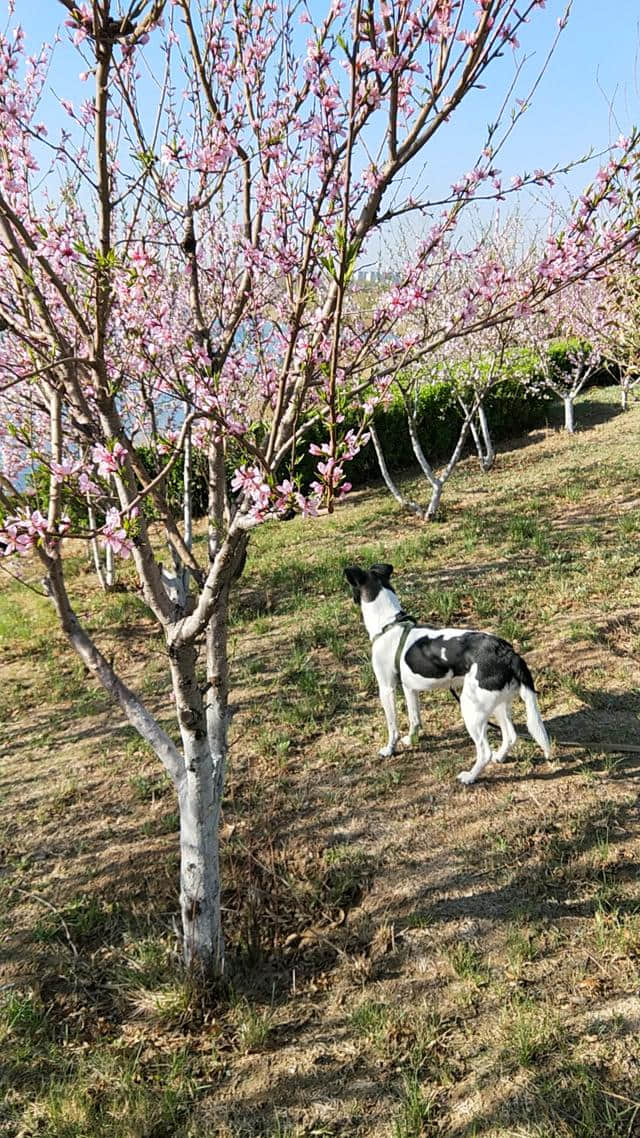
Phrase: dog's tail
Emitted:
{"points": [[535, 725]]}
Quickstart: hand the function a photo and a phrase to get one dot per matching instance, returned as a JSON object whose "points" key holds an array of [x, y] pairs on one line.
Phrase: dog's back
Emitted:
{"points": [[438, 653]]}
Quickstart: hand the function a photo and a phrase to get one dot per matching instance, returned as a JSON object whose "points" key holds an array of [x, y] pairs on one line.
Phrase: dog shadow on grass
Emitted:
{"points": [[606, 729]]}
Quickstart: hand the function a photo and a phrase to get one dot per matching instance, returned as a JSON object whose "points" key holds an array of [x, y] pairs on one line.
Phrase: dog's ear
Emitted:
{"points": [[355, 576], [383, 571]]}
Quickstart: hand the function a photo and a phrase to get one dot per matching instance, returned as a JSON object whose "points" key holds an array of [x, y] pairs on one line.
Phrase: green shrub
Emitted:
{"points": [[511, 409], [153, 463], [559, 355]]}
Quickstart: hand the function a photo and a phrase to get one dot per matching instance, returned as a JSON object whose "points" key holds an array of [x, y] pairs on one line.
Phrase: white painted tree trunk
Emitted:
{"points": [[199, 800], [109, 568], [627, 385], [482, 439], [197, 772], [434, 501], [203, 945], [203, 719], [95, 548], [105, 571], [434, 481], [392, 487], [187, 504], [437, 482], [569, 414], [187, 510]]}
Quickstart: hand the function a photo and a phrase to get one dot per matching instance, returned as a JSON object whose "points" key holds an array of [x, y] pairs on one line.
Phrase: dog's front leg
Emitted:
{"points": [[412, 699], [388, 701]]}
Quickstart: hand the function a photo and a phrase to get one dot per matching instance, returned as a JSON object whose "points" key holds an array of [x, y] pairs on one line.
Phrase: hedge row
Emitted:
{"points": [[516, 404], [439, 418], [510, 411], [512, 408]]}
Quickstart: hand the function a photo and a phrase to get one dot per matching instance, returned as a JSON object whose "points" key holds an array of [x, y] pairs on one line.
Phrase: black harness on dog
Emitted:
{"points": [[407, 622]]}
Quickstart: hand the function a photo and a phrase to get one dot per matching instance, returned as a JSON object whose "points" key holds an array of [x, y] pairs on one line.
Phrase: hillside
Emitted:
{"points": [[407, 956]]}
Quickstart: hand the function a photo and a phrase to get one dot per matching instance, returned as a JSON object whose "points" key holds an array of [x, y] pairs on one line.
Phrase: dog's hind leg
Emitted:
{"points": [[388, 701], [475, 717], [412, 699], [509, 736]]}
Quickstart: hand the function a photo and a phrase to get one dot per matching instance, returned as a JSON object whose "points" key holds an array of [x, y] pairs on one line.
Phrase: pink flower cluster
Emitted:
{"points": [[290, 498], [114, 535], [108, 459], [65, 469], [250, 483], [331, 480], [20, 533]]}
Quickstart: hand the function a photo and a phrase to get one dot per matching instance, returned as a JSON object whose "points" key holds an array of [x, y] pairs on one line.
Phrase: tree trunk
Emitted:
{"points": [[95, 548], [627, 385], [437, 482], [199, 799], [197, 773], [569, 416], [406, 503], [187, 505], [477, 442], [487, 453], [202, 940], [138, 715], [109, 568], [434, 503]]}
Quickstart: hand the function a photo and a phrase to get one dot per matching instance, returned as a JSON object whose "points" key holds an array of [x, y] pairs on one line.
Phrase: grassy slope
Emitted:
{"points": [[407, 956]]}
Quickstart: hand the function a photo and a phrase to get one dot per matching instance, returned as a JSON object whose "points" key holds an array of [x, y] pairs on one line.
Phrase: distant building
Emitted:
{"points": [[376, 276]]}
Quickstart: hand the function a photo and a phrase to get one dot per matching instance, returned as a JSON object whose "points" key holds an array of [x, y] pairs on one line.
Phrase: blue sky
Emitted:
{"points": [[590, 92]]}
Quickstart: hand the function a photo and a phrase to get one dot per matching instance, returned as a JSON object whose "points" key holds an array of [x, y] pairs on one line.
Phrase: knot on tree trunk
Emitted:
{"points": [[192, 906], [188, 243]]}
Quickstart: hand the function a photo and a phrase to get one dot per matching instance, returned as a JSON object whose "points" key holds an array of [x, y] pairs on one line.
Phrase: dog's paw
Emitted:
{"points": [[466, 777], [386, 752], [412, 739], [496, 757]]}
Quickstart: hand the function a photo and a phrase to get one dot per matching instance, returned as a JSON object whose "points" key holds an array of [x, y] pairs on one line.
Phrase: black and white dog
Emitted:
{"points": [[486, 668]]}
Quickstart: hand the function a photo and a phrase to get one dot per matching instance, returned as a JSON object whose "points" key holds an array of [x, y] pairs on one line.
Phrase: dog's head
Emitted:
{"points": [[367, 583]]}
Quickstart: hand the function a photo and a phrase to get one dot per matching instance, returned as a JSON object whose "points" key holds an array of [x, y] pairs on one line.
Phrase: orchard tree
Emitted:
{"points": [[613, 325], [478, 296], [176, 272], [487, 311], [567, 342], [467, 369]]}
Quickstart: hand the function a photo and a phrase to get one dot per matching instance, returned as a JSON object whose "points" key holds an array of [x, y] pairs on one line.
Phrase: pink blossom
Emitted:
{"points": [[35, 524], [114, 535], [308, 506], [108, 461], [65, 469], [14, 540], [249, 481], [86, 486]]}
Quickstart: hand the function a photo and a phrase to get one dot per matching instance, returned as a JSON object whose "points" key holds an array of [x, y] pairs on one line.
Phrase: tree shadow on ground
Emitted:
{"points": [[591, 411], [552, 1095], [607, 721], [549, 874]]}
